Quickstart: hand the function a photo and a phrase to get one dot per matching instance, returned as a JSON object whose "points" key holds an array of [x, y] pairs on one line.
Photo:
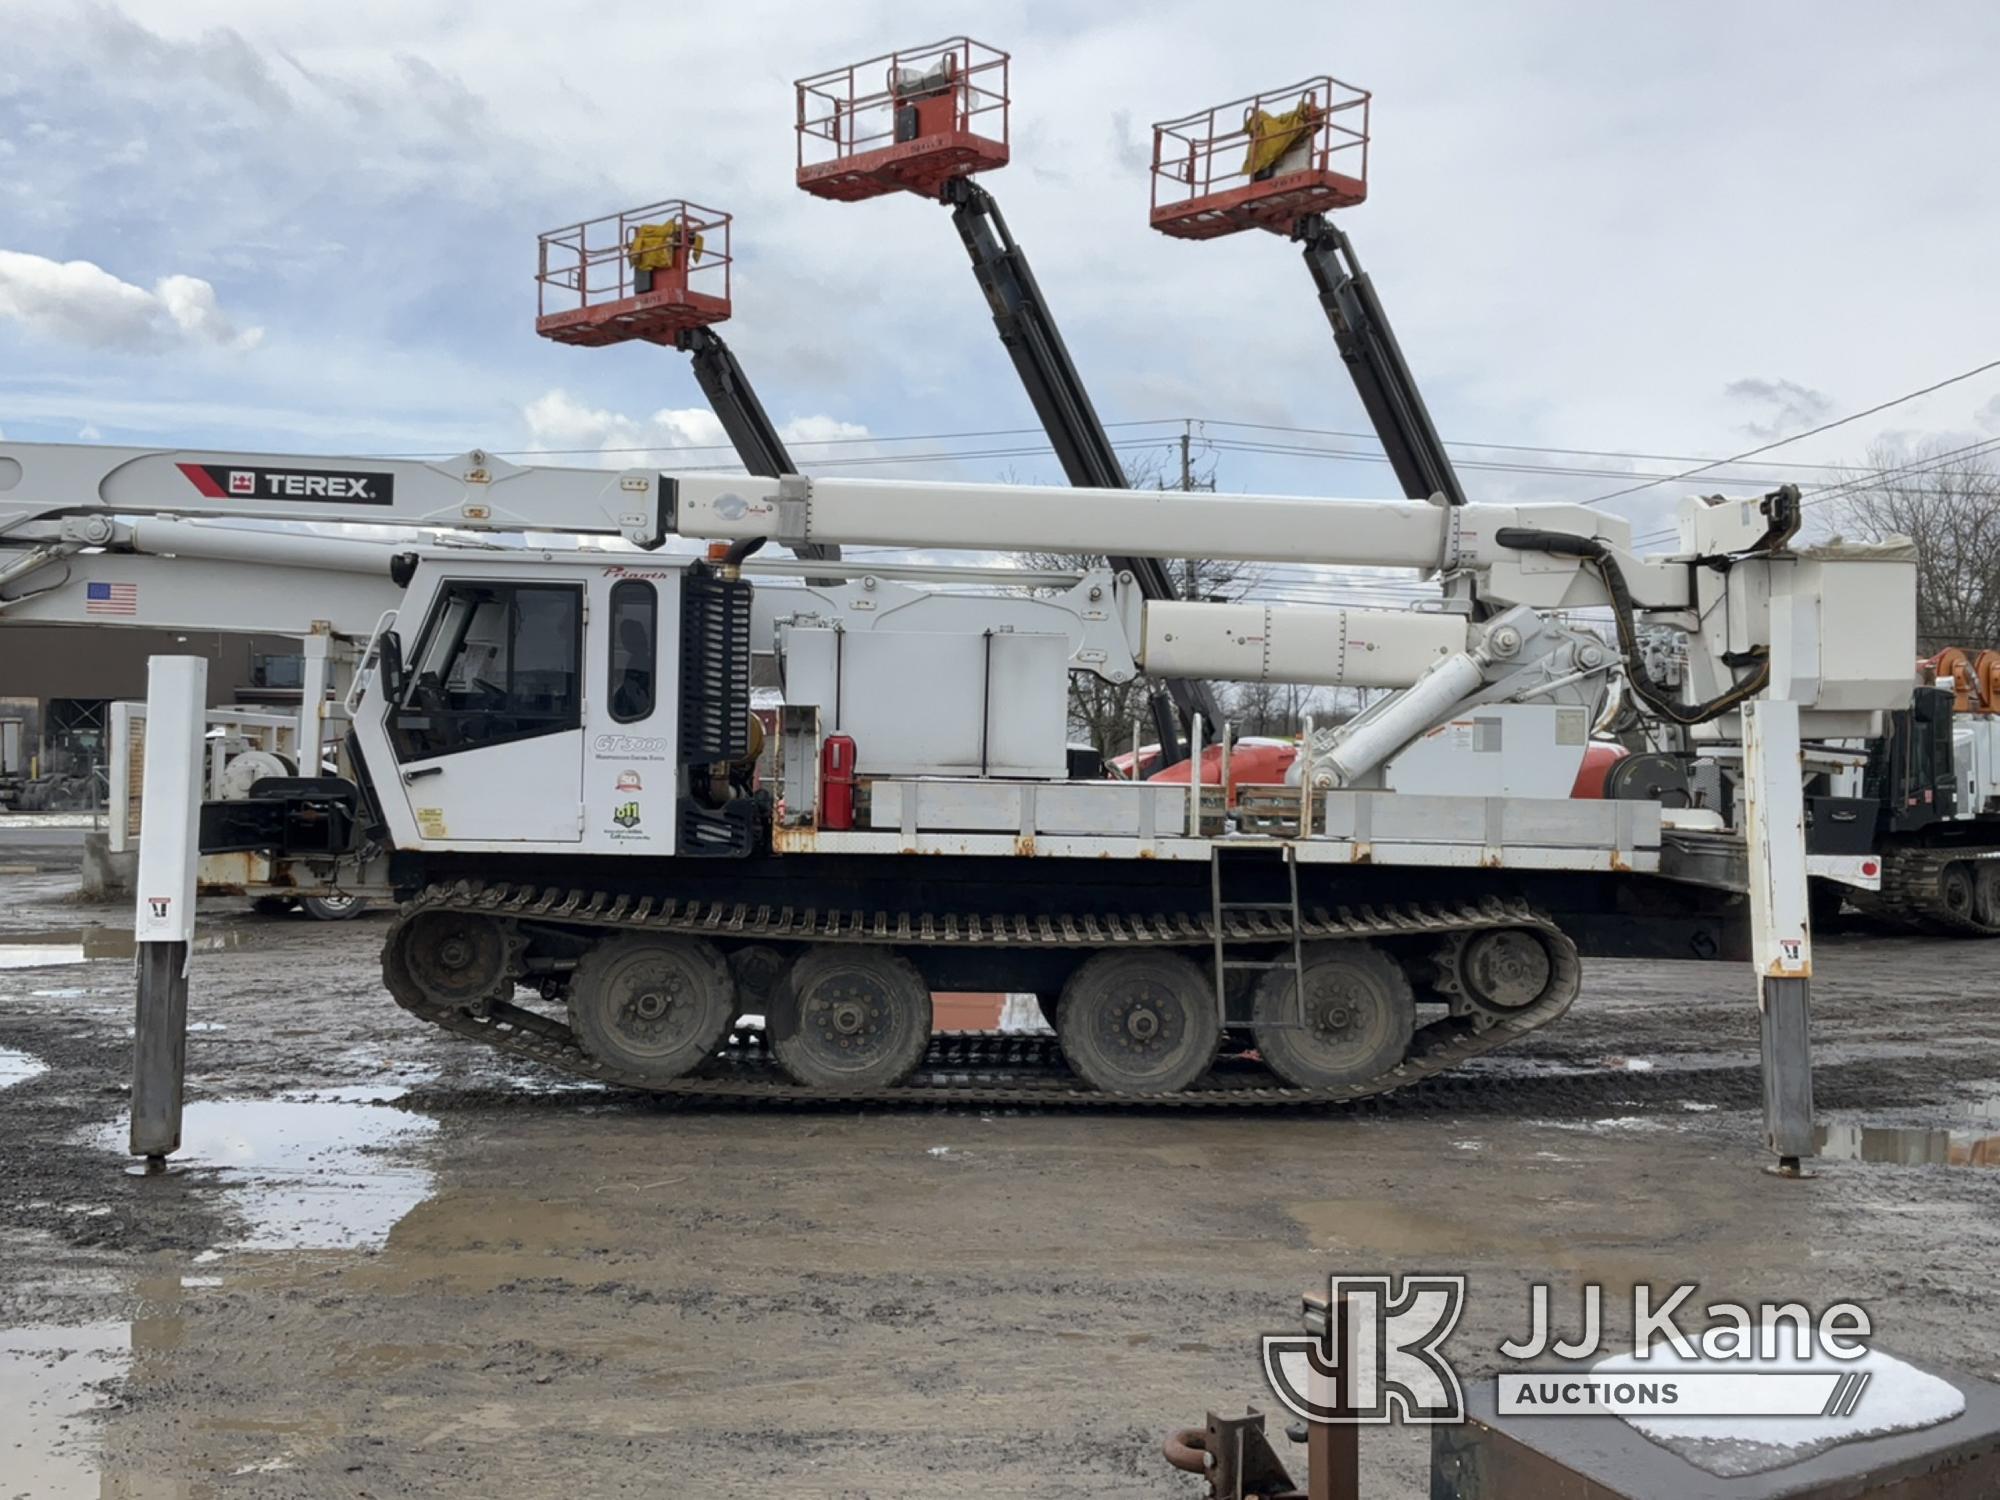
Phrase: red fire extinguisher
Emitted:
{"points": [[836, 782]]}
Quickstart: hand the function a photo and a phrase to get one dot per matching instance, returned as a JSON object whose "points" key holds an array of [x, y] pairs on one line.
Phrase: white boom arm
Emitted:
{"points": [[70, 492], [56, 500], [1175, 523], [42, 482]]}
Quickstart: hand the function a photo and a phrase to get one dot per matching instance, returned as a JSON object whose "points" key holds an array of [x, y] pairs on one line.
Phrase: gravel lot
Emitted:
{"points": [[389, 1264]]}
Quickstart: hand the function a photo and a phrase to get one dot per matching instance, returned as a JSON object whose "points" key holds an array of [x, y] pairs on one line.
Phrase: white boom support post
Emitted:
{"points": [[1780, 924], [163, 923], [315, 679]]}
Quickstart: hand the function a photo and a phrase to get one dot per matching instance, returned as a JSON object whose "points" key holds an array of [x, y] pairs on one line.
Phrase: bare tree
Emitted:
{"points": [[1280, 709], [1950, 509]]}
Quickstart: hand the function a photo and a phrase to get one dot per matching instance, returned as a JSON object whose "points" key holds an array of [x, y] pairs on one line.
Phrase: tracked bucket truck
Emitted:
{"points": [[554, 768]]}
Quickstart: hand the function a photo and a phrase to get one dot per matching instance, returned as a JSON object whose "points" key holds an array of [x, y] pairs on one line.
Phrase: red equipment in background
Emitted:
{"points": [[646, 273], [1262, 162], [1598, 759], [1974, 677], [940, 112], [836, 782], [1255, 761]]}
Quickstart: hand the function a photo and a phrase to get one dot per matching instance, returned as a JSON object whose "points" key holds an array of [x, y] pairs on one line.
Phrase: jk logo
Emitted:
{"points": [[1386, 1367]]}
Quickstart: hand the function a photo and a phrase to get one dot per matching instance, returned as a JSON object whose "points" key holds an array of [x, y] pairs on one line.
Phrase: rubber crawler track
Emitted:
{"points": [[1911, 891], [971, 1067]]}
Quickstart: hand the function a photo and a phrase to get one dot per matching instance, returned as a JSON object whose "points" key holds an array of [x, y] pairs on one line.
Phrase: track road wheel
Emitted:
{"points": [[1958, 891], [652, 1006], [1504, 969], [452, 958], [848, 1020], [1986, 896], [1138, 1023], [396, 976], [1358, 1018]]}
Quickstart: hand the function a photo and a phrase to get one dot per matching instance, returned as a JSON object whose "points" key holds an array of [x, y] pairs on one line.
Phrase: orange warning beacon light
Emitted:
{"points": [[1261, 162], [904, 121], [646, 273]]}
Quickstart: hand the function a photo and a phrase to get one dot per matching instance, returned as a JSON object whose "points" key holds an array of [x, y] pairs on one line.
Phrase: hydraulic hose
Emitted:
{"points": [[1598, 557]]}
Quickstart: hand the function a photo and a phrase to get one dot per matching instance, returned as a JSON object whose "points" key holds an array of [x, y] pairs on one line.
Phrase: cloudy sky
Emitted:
{"points": [[1671, 230]]}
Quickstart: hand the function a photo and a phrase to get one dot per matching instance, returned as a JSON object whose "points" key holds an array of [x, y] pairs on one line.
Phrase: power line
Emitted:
{"points": [[878, 439], [1880, 406], [1665, 458], [1928, 464], [1559, 470]]}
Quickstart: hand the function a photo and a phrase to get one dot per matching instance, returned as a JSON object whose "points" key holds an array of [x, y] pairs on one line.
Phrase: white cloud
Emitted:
{"points": [[558, 421], [88, 433], [191, 303], [78, 302]]}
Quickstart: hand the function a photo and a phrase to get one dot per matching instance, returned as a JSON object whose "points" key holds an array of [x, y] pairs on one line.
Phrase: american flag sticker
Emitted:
{"points": [[111, 598]]}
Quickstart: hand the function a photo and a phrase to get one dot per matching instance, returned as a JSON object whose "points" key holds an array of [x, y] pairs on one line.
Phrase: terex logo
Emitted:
{"points": [[219, 482]]}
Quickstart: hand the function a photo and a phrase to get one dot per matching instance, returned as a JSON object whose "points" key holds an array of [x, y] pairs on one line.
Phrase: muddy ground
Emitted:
{"points": [[392, 1265]]}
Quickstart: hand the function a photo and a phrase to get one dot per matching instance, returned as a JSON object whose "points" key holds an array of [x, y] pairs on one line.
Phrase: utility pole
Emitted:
{"points": [[1194, 588]]}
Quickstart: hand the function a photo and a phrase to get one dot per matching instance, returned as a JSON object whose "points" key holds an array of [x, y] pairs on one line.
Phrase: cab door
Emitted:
{"points": [[488, 728]]}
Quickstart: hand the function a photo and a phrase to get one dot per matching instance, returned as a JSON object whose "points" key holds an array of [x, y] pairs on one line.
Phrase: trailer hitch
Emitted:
{"points": [[1235, 1457]]}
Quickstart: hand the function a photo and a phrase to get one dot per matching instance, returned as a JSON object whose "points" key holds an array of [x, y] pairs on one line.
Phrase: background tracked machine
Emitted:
{"points": [[554, 764], [1931, 789]]}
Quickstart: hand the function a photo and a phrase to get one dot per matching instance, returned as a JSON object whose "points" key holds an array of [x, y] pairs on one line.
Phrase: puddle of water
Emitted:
{"points": [[19, 1067], [47, 1396], [76, 945], [53, 1401], [318, 1171], [1913, 1146]]}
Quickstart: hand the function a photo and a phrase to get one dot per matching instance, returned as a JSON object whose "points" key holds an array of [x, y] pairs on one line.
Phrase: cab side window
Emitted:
{"points": [[635, 650], [497, 662]]}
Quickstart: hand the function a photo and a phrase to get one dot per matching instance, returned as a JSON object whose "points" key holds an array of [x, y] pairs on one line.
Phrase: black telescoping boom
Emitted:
{"points": [[1083, 448], [1374, 359], [743, 417]]}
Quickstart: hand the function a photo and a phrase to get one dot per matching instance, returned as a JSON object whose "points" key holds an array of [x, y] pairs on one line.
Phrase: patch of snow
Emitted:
{"points": [[1898, 1398]]}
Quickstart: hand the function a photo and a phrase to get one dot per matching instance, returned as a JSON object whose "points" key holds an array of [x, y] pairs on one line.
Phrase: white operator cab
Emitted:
{"points": [[538, 706]]}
